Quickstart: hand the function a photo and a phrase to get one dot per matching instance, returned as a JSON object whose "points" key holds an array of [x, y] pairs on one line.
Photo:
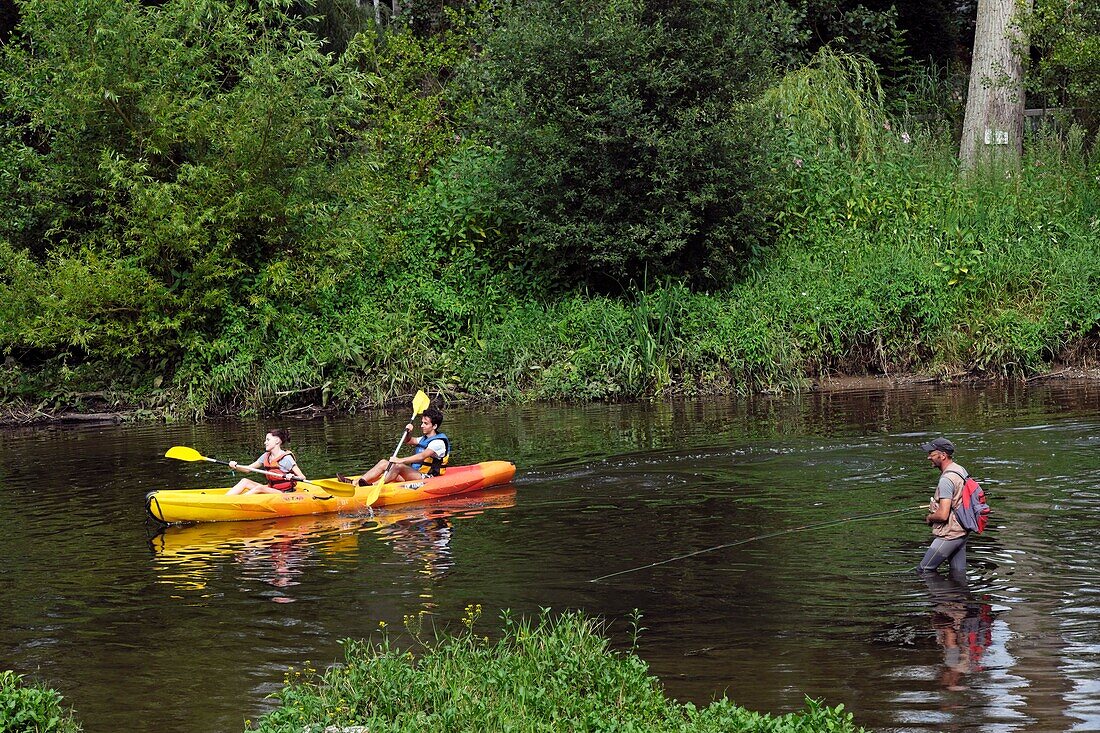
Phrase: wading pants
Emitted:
{"points": [[940, 550]]}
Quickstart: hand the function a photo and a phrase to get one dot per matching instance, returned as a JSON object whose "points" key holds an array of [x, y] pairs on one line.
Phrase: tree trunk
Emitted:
{"points": [[377, 14], [993, 129]]}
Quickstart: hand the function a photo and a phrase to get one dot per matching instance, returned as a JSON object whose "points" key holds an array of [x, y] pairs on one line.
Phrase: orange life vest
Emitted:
{"points": [[281, 484]]}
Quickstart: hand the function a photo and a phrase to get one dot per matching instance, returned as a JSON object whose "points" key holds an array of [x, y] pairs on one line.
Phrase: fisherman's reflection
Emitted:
{"points": [[963, 625]]}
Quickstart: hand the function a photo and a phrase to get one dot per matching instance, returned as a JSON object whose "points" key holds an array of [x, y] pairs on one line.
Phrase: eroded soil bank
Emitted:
{"points": [[107, 408]]}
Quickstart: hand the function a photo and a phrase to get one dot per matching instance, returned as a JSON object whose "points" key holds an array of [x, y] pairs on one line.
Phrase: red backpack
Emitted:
{"points": [[971, 511]]}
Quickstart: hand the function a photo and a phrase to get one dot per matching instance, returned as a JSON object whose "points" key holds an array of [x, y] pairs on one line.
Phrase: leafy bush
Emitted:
{"points": [[183, 186], [552, 674], [1065, 35], [32, 708], [626, 145]]}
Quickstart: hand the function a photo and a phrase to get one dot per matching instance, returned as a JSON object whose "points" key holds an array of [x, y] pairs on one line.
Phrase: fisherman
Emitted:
{"points": [[433, 449], [949, 536]]}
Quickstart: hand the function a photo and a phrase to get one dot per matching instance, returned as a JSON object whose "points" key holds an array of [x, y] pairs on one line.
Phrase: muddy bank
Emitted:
{"points": [[119, 409]]}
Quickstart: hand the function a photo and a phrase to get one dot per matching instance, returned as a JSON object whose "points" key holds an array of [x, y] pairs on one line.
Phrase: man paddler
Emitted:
{"points": [[433, 449]]}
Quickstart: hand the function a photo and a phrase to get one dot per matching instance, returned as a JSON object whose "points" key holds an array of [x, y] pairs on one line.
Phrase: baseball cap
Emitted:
{"points": [[938, 444]]}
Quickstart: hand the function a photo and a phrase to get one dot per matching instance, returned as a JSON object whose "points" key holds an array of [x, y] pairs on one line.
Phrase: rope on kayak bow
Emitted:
{"points": [[769, 535]]}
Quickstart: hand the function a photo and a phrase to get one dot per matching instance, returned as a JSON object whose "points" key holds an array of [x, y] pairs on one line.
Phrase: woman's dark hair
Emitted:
{"points": [[282, 434], [434, 415]]}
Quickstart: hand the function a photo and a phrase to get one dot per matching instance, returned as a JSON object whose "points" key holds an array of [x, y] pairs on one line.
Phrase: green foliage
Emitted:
{"points": [[201, 210], [550, 674], [32, 708], [185, 189], [887, 260], [1066, 35], [835, 102], [962, 252], [170, 159], [625, 142]]}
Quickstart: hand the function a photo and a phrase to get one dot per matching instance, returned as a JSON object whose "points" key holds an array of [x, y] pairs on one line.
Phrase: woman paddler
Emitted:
{"points": [[275, 460]]}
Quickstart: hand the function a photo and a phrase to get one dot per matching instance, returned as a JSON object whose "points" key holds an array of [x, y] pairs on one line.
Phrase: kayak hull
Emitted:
{"points": [[212, 505]]}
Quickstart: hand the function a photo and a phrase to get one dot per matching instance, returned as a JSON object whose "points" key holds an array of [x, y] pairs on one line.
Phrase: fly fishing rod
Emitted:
{"points": [[769, 535]]}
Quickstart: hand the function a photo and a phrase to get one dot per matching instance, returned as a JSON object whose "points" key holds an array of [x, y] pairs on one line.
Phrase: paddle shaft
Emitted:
{"points": [[272, 474], [404, 437], [420, 403]]}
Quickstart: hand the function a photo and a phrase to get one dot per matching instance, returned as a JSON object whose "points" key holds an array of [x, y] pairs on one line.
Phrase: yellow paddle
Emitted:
{"points": [[182, 453], [420, 403], [341, 488]]}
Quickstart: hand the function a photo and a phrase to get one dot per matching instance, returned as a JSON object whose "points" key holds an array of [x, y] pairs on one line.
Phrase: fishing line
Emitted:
{"points": [[769, 535]]}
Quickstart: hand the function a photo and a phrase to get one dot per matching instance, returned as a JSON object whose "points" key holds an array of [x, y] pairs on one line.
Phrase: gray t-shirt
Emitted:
{"points": [[286, 463], [950, 480]]}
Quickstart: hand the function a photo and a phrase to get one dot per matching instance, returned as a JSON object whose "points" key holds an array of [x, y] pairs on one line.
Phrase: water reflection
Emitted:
{"points": [[275, 552], [963, 626], [422, 534], [88, 607]]}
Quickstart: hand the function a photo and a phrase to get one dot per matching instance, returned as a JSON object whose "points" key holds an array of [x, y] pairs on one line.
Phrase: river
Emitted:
{"points": [[192, 629]]}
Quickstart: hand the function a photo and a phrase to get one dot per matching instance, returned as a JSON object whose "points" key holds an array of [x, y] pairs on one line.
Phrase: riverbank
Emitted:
{"points": [[117, 409]]}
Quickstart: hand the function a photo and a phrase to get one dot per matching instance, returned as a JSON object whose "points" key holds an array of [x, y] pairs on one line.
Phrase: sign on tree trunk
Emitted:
{"points": [[994, 124]]}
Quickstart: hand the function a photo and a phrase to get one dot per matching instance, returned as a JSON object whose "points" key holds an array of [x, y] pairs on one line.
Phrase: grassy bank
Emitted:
{"points": [[210, 266], [889, 265], [551, 674]]}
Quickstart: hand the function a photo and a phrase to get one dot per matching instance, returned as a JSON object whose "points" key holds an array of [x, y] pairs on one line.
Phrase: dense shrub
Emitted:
{"points": [[1068, 70], [185, 187], [553, 674], [626, 144]]}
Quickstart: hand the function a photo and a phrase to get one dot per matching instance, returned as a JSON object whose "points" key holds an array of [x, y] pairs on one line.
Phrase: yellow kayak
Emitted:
{"points": [[212, 505]]}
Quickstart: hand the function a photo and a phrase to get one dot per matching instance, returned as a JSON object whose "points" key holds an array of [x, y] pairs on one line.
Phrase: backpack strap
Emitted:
{"points": [[955, 503]]}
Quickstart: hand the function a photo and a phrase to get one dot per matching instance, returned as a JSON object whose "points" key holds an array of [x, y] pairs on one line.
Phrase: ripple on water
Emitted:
{"points": [[219, 614]]}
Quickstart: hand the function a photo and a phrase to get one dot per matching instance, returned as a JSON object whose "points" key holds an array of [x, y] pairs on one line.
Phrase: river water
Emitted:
{"points": [[191, 630]]}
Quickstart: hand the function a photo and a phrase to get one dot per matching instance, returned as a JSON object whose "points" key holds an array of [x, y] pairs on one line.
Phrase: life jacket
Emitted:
{"points": [[971, 509], [433, 466], [281, 484]]}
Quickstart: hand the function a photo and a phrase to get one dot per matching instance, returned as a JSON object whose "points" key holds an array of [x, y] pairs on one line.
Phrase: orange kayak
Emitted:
{"points": [[212, 505]]}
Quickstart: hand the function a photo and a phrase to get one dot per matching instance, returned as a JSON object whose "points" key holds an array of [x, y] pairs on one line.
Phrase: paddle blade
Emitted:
{"points": [[373, 494], [334, 487], [181, 453], [420, 403]]}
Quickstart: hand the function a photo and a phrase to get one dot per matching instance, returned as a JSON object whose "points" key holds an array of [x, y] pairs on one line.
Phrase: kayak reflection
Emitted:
{"points": [[277, 551], [272, 551], [423, 534]]}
